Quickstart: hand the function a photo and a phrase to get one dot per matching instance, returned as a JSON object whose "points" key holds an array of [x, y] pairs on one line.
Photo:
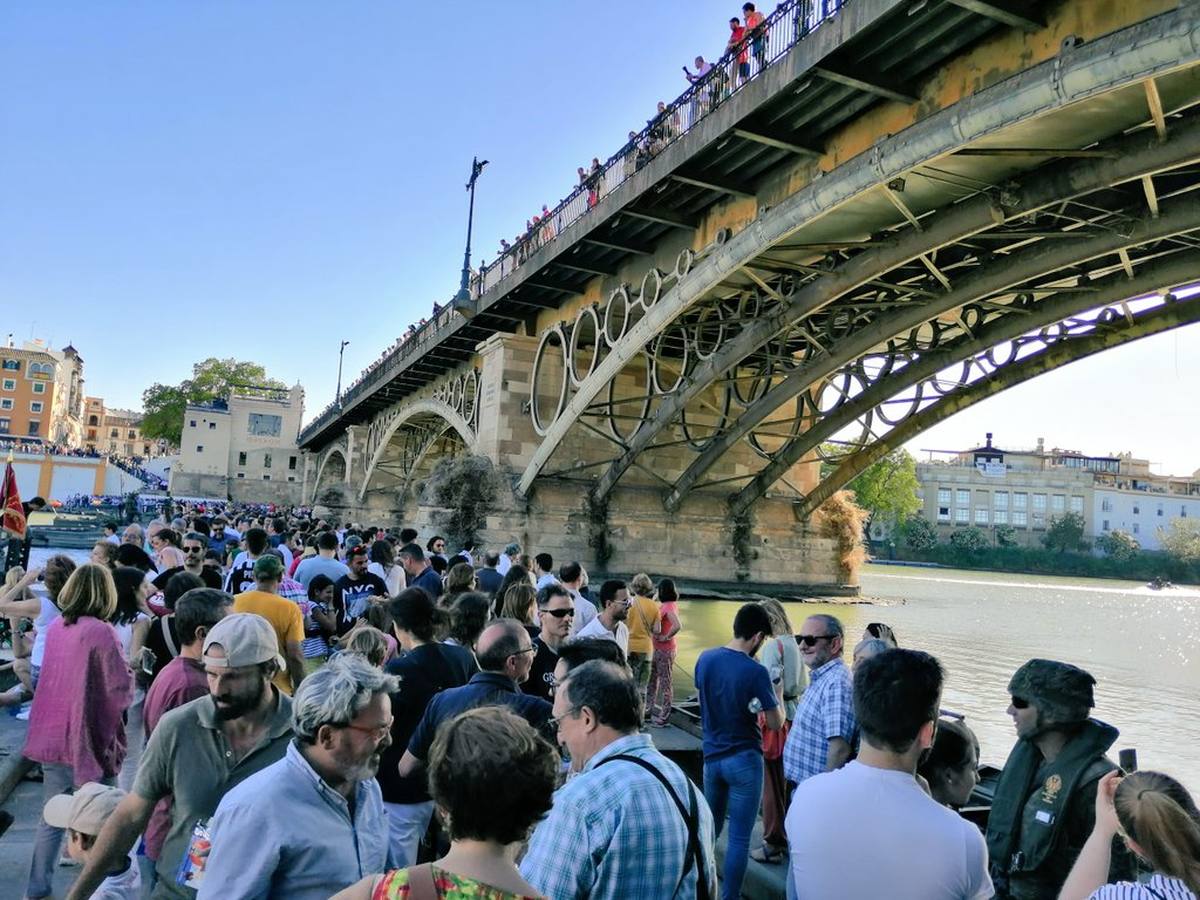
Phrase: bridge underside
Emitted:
{"points": [[673, 416]]}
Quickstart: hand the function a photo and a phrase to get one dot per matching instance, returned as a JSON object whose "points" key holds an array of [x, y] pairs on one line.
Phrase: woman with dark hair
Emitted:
{"points": [[130, 618], [468, 617], [162, 639], [427, 667], [952, 767], [519, 604], [492, 753], [1159, 821], [659, 694], [382, 556], [75, 726], [134, 555], [516, 574], [460, 579], [42, 607]]}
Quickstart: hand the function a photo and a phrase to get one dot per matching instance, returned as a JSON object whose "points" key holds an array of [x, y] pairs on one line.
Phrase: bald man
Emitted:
{"points": [[505, 652]]}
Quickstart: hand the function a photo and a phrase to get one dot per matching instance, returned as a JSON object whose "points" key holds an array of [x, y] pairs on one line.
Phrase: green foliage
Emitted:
{"points": [[1065, 533], [968, 540], [918, 534], [1006, 536], [164, 404], [465, 487], [1181, 540], [888, 488], [1119, 545]]}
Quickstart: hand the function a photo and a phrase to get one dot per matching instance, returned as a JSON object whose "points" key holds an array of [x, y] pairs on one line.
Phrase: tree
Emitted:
{"points": [[163, 405], [1182, 539], [970, 540], [1119, 545], [1065, 533], [919, 534], [1006, 536], [887, 488]]}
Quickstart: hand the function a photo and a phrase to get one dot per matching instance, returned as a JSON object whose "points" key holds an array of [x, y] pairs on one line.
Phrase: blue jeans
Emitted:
{"points": [[733, 785]]}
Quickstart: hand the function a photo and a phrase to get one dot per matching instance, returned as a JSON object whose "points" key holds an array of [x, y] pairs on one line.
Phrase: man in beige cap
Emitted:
{"points": [[83, 815], [200, 751]]}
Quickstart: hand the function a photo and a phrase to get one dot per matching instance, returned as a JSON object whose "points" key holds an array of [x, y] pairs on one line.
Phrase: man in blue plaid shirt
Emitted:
{"points": [[823, 729], [616, 831]]}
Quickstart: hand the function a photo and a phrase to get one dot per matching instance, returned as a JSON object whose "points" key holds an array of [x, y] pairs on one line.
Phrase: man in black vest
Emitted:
{"points": [[1044, 805]]}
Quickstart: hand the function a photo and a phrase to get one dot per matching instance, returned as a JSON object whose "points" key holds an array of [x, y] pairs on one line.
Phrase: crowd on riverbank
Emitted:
{"points": [[312, 707]]}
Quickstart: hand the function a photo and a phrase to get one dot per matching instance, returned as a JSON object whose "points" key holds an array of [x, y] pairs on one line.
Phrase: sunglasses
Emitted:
{"points": [[1020, 703], [810, 640], [193, 549], [560, 613]]}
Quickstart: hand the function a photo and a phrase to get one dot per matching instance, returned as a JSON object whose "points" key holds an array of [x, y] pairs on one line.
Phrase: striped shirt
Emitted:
{"points": [[1159, 887], [826, 711], [614, 833]]}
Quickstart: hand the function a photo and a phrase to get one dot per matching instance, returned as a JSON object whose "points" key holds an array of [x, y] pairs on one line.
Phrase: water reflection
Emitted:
{"points": [[1138, 643]]}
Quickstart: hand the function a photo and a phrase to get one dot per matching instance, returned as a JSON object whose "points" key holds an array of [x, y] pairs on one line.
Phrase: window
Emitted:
{"points": [[44, 369], [199, 448], [1019, 502], [192, 423], [1183, 512], [944, 496], [292, 463], [92, 420], [1018, 518], [6, 403], [39, 387], [1136, 509], [34, 428], [35, 406], [266, 478], [1077, 504], [291, 478], [5, 424], [114, 433], [132, 435], [266, 460], [212, 426], [10, 384], [1105, 525], [962, 515], [241, 474], [1039, 502], [962, 498], [1000, 499], [241, 459], [11, 365], [1105, 505], [264, 425], [981, 515], [1058, 503], [1159, 511], [1136, 527], [1000, 516], [943, 514]]}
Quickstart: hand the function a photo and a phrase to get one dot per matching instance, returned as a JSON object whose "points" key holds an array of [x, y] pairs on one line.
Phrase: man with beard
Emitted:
{"points": [[200, 751], [324, 827]]}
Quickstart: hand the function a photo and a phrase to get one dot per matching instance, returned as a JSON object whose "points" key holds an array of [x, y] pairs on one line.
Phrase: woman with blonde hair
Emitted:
{"points": [[1160, 823], [780, 656], [76, 726], [643, 624], [519, 603], [368, 642]]}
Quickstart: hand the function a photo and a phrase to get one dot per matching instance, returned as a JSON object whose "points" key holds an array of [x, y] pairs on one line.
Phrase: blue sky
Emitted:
{"points": [[261, 180]]}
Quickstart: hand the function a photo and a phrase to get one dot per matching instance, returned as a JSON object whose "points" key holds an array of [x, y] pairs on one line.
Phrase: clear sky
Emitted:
{"points": [[261, 180]]}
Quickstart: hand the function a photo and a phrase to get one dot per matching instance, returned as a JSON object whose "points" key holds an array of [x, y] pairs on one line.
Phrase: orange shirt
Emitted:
{"points": [[285, 618]]}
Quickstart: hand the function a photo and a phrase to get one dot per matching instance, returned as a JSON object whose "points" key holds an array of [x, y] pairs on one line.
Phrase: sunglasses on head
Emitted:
{"points": [[810, 640], [561, 613], [1020, 703]]}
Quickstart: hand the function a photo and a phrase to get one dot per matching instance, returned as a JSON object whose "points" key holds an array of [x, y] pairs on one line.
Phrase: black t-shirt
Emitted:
{"points": [[541, 674], [157, 642], [240, 577], [351, 597], [425, 671]]}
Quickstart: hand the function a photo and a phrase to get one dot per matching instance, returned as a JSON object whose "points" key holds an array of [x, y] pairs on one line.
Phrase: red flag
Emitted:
{"points": [[13, 520]]}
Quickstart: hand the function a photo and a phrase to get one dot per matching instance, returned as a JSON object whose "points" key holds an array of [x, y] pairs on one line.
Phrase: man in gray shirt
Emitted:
{"points": [[314, 822], [200, 751]]}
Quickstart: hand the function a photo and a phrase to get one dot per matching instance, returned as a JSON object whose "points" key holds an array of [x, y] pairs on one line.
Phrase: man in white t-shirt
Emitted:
{"points": [[610, 623], [868, 829]]}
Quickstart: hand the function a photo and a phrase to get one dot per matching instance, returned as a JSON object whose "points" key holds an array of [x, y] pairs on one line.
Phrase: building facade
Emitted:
{"points": [[118, 432], [989, 487], [41, 393], [243, 448]]}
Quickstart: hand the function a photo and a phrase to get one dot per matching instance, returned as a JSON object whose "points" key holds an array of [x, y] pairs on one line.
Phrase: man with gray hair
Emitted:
{"points": [[824, 727], [312, 823]]}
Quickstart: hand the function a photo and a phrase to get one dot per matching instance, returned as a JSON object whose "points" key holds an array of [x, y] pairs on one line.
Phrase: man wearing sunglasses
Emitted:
{"points": [[556, 612], [824, 726], [1045, 803]]}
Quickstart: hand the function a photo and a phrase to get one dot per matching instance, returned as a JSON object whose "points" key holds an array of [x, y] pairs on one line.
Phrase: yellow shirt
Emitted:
{"points": [[642, 614], [285, 618]]}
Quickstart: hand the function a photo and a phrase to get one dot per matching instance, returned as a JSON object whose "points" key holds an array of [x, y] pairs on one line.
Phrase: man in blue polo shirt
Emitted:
{"points": [[420, 573], [505, 652], [733, 689]]}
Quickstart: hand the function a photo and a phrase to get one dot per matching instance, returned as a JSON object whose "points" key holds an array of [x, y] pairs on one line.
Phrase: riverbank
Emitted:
{"points": [[1033, 561]]}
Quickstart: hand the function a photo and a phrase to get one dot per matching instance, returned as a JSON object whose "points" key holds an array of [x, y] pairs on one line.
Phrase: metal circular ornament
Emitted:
{"points": [[539, 359], [590, 318], [658, 363], [618, 305]]}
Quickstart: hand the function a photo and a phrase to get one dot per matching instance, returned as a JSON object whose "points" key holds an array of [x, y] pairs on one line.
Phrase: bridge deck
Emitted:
{"points": [[869, 52]]}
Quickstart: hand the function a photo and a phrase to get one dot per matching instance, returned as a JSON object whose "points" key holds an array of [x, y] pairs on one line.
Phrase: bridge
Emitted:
{"points": [[907, 207]]}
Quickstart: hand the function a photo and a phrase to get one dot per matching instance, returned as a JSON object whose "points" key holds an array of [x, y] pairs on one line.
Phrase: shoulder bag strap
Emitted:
{"points": [[420, 883], [694, 855], [166, 633]]}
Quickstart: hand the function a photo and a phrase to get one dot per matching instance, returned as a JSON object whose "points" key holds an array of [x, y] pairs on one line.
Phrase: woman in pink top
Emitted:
{"points": [[75, 726], [658, 692]]}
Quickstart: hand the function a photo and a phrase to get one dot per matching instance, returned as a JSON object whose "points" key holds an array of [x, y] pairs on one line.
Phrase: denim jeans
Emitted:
{"points": [[733, 786], [407, 823]]}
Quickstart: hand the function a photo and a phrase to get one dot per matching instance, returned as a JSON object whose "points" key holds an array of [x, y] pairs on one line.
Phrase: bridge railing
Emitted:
{"points": [[779, 32]]}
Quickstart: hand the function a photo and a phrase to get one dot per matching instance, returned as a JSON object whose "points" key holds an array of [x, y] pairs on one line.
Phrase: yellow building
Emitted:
{"points": [[41, 393]]}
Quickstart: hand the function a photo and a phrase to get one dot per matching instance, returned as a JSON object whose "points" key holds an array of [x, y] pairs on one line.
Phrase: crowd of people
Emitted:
{"points": [[134, 465], [231, 705]]}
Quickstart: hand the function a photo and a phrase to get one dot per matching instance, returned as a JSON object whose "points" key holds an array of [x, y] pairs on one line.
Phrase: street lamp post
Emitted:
{"points": [[462, 300], [341, 353]]}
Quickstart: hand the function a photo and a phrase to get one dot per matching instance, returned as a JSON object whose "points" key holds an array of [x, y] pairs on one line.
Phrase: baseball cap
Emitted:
{"points": [[247, 640], [268, 566], [84, 811], [512, 549]]}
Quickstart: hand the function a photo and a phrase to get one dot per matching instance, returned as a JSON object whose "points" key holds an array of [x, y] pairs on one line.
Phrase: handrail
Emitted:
{"points": [[791, 22]]}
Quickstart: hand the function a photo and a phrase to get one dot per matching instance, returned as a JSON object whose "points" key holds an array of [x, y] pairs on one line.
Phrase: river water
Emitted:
{"points": [[1142, 646]]}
